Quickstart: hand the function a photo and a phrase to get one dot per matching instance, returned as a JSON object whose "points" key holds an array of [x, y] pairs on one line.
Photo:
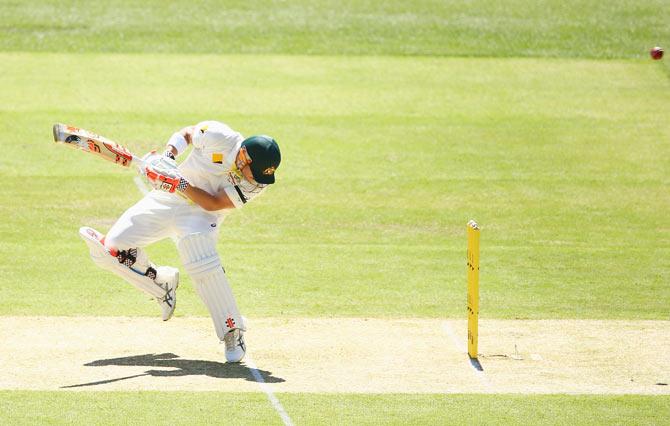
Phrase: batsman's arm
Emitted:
{"points": [[179, 141], [208, 201], [162, 174]]}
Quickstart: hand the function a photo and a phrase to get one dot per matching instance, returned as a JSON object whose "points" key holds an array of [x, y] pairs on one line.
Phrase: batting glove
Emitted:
{"points": [[162, 173]]}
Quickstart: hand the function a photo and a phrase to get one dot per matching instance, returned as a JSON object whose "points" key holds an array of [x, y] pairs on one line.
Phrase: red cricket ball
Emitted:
{"points": [[656, 53]]}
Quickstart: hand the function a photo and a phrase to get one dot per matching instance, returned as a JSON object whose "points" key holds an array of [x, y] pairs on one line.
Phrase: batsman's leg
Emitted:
{"points": [[134, 267], [201, 261]]}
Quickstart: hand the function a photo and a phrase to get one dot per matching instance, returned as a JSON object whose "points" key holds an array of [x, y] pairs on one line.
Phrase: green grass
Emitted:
{"points": [[23, 408], [548, 28], [398, 122], [563, 162], [135, 408], [403, 409]]}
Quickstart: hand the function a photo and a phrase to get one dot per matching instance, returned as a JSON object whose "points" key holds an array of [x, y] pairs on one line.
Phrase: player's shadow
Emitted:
{"points": [[180, 367]]}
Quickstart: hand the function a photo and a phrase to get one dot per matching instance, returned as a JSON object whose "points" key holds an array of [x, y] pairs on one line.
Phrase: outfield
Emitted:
{"points": [[397, 126]]}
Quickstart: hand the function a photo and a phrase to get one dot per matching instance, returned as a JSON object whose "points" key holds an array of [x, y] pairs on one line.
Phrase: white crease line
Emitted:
{"points": [[462, 348], [249, 361], [251, 365], [450, 331]]}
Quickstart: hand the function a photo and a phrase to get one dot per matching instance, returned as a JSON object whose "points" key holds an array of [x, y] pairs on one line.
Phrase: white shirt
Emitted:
{"points": [[211, 164]]}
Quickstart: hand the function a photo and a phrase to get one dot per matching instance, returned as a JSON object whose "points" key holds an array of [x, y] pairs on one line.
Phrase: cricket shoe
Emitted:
{"points": [[167, 278], [235, 347]]}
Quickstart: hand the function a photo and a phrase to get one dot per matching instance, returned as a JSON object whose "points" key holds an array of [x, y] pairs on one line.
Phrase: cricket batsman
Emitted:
{"points": [[189, 201]]}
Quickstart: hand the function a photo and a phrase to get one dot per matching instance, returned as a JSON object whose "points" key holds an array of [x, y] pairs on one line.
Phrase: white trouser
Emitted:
{"points": [[161, 215], [157, 216]]}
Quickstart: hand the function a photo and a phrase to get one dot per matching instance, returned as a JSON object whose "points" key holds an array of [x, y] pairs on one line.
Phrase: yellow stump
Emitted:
{"points": [[473, 287]]}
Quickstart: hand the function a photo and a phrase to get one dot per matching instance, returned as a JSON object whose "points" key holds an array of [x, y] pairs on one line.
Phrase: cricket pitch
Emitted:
{"points": [[337, 355]]}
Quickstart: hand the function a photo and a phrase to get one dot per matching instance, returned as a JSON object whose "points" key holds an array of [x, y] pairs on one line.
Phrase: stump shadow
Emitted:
{"points": [[179, 367]]}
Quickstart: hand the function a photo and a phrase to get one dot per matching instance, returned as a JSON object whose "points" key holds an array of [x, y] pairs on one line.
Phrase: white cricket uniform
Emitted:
{"points": [[211, 167]]}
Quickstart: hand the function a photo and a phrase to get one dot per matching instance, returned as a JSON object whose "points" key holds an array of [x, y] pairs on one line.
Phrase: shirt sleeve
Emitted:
{"points": [[243, 193]]}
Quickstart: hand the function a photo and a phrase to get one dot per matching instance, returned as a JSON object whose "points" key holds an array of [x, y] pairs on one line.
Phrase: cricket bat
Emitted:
{"points": [[95, 144]]}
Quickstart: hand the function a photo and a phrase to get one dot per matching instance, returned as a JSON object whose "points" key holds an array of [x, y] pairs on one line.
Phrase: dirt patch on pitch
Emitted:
{"points": [[337, 355]]}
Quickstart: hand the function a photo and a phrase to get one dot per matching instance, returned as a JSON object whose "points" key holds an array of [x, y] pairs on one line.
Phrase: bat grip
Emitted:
{"points": [[140, 165]]}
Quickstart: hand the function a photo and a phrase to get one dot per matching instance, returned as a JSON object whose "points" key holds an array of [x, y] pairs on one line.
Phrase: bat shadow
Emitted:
{"points": [[178, 367]]}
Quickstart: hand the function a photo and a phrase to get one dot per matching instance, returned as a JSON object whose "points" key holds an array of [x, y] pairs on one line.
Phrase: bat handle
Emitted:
{"points": [[140, 164]]}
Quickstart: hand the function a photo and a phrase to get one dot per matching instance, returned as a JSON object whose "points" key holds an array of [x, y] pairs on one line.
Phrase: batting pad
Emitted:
{"points": [[201, 261], [106, 261]]}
